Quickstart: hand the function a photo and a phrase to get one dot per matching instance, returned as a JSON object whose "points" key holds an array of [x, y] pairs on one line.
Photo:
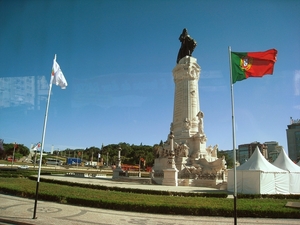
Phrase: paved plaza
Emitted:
{"points": [[20, 210]]}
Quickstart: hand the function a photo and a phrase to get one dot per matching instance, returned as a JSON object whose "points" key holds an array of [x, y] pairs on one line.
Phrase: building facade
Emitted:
{"points": [[269, 149], [293, 139], [274, 150], [246, 150]]}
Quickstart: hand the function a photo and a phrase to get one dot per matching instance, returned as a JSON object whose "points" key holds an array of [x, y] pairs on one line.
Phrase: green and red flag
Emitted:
{"points": [[252, 64]]}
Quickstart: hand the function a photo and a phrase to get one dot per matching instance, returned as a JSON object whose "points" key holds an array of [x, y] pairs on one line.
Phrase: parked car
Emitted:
{"points": [[23, 167]]}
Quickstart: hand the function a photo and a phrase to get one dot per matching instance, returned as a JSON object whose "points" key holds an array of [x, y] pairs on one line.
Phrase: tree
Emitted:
{"points": [[91, 153], [130, 154], [20, 150]]}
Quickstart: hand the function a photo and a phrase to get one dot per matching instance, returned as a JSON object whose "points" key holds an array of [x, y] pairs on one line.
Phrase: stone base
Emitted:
{"points": [[218, 184], [184, 182], [204, 183], [118, 172], [170, 177]]}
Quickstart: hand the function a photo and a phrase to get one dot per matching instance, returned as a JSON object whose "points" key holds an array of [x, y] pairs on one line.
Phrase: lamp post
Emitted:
{"points": [[119, 156], [78, 154], [107, 159], [99, 155], [117, 172], [57, 154]]}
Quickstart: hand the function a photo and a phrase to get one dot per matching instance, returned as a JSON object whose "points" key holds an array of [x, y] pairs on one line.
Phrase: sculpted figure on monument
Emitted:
{"points": [[214, 152], [200, 118], [183, 150], [160, 152], [188, 45], [209, 149], [187, 123], [212, 167]]}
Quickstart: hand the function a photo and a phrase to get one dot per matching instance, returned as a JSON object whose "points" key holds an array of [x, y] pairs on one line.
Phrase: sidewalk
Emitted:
{"points": [[21, 210]]}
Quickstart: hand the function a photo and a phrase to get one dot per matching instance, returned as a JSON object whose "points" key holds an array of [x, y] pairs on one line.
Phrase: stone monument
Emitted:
{"points": [[196, 163], [118, 172]]}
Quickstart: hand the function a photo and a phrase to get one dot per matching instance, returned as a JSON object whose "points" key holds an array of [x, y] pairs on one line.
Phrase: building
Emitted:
{"points": [[246, 150], [273, 150], [293, 139], [269, 149]]}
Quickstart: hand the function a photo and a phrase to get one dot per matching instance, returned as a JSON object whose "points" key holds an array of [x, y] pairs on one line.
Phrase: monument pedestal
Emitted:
{"points": [[171, 173], [118, 172], [170, 177]]}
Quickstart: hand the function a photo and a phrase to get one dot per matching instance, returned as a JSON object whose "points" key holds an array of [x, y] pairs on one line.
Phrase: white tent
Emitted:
{"points": [[298, 163], [258, 176], [285, 163]]}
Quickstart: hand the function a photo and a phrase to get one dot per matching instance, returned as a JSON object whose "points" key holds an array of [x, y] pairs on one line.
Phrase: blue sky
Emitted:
{"points": [[118, 57]]}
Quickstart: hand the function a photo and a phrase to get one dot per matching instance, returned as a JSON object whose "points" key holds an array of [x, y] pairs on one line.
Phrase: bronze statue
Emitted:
{"points": [[188, 45]]}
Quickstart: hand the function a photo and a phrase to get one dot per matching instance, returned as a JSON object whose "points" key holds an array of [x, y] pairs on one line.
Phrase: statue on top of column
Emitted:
{"points": [[188, 45]]}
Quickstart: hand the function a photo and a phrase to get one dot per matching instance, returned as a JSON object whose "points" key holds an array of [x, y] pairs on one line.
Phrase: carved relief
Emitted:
{"points": [[212, 167], [183, 150], [187, 123], [189, 71]]}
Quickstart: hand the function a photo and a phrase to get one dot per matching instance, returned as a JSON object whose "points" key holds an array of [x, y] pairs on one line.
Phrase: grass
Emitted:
{"points": [[67, 194]]}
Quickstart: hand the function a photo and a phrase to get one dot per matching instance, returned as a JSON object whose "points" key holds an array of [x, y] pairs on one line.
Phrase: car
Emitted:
{"points": [[23, 167]]}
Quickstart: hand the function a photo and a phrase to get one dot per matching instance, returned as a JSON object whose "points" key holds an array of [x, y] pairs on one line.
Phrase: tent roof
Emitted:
{"points": [[259, 163], [285, 163]]}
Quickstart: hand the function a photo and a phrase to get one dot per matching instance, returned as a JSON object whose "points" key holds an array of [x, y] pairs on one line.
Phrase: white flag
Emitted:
{"points": [[37, 146], [57, 75]]}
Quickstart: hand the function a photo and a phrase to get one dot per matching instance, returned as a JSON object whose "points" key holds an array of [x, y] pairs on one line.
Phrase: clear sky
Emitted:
{"points": [[118, 57]]}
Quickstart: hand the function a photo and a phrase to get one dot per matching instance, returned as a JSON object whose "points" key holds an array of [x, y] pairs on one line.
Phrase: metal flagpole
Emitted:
{"points": [[42, 149], [13, 157], [233, 140]]}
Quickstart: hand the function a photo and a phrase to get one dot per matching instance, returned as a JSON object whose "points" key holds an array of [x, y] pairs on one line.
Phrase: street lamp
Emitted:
{"points": [[99, 155], [119, 156], [57, 154], [107, 158], [117, 172]]}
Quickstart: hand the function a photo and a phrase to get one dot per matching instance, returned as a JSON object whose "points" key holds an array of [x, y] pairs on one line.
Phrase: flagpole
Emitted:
{"points": [[42, 147], [233, 140], [13, 157]]}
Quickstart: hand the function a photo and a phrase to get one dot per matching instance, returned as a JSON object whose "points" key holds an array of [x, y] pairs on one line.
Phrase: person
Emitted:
{"points": [[188, 45]]}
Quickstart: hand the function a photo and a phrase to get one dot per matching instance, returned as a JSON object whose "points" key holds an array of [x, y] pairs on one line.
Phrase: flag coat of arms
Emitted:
{"points": [[252, 64]]}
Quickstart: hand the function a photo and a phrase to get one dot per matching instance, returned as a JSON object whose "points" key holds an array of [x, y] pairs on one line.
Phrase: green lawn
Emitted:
{"points": [[67, 194]]}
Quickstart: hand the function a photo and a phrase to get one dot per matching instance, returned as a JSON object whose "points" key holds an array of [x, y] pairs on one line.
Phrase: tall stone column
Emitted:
{"points": [[186, 99]]}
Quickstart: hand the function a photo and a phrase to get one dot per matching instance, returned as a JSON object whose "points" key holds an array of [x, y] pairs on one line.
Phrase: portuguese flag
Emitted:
{"points": [[252, 64]]}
